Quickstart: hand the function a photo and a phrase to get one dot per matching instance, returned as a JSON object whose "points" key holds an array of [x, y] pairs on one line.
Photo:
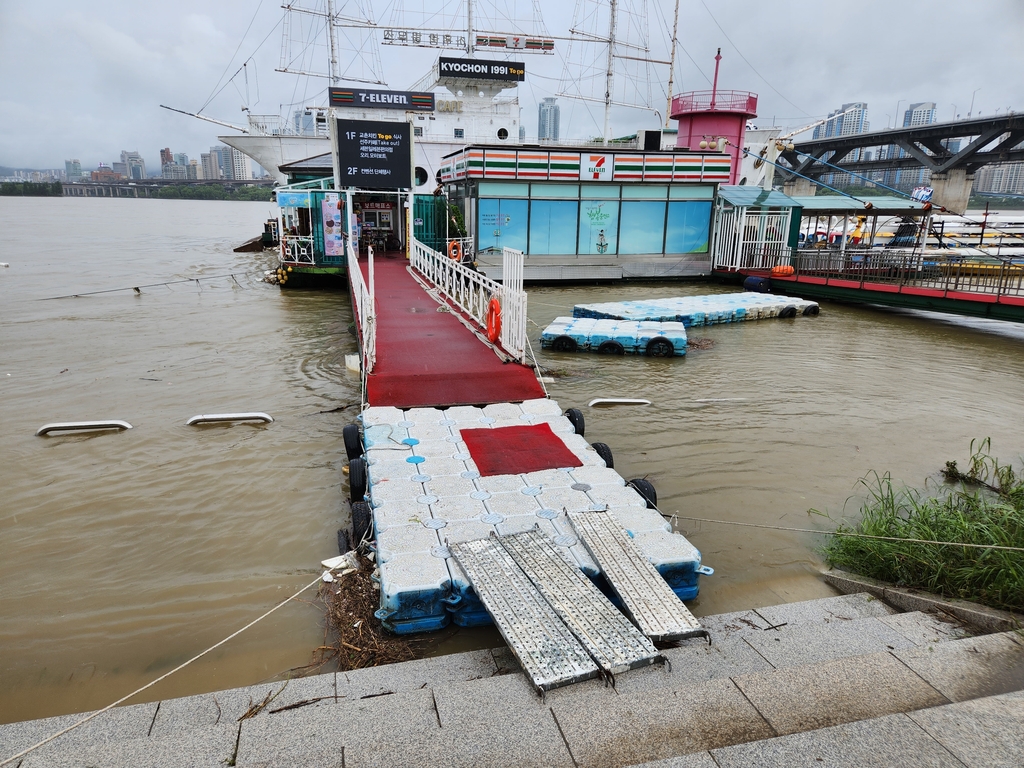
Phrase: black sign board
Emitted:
{"points": [[374, 154], [416, 101], [481, 69]]}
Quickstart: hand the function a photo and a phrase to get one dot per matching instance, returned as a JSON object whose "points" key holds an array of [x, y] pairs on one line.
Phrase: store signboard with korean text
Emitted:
{"points": [[373, 154]]}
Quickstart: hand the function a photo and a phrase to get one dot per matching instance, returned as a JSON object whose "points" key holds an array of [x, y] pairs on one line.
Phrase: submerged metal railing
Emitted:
{"points": [[472, 292], [363, 298], [297, 249], [918, 269]]}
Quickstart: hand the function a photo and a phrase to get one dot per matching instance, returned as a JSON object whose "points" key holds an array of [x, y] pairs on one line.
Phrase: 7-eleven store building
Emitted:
{"points": [[588, 214]]}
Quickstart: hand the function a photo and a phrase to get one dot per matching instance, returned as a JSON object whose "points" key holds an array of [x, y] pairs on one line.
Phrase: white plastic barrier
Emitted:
{"points": [[365, 309]]}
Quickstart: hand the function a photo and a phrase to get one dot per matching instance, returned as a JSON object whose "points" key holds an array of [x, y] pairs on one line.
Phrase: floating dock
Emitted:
{"points": [[484, 500], [696, 311], [615, 337], [428, 490]]}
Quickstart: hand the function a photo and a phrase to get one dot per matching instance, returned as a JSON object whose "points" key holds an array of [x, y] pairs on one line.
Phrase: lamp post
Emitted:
{"points": [[896, 119], [971, 110], [954, 111]]}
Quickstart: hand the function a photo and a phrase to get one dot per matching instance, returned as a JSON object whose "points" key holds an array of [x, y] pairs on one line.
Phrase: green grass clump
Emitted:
{"points": [[984, 505]]}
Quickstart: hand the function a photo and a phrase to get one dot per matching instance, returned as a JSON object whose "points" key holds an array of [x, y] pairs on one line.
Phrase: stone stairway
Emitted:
{"points": [[842, 681]]}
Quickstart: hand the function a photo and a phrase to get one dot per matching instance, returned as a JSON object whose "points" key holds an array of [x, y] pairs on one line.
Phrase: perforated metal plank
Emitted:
{"points": [[647, 597], [609, 637], [545, 647]]}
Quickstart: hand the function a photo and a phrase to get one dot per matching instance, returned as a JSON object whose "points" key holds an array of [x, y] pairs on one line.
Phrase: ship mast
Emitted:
{"points": [[610, 74], [672, 65], [335, 78], [469, 28]]}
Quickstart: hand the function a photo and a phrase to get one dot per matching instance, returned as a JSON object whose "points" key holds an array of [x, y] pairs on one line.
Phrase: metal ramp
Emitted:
{"points": [[543, 644], [647, 597], [608, 636]]}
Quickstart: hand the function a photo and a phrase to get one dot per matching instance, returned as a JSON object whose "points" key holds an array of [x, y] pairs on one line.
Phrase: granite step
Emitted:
{"points": [[769, 673], [979, 733]]}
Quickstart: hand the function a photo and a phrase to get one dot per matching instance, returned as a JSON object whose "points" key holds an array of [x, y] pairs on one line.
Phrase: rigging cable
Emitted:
{"points": [[752, 67], [228, 66]]}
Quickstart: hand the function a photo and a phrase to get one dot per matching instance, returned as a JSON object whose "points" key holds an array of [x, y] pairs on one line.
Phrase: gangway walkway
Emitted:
{"points": [[427, 357], [469, 504]]}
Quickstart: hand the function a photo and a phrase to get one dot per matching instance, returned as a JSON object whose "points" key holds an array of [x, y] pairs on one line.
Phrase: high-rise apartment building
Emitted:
{"points": [[922, 113], [73, 169], [241, 165], [547, 119], [304, 122], [166, 158], [180, 158], [848, 120], [135, 166], [208, 166]]}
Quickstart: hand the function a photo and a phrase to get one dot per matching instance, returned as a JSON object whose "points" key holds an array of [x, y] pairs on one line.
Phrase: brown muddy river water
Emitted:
{"points": [[124, 554]]}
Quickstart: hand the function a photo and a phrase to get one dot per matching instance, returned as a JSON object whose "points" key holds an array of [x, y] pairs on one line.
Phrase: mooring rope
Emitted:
{"points": [[137, 288], [844, 533], [164, 676]]}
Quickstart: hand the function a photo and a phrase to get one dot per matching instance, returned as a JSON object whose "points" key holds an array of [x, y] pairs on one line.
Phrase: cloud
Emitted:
{"points": [[86, 80]]}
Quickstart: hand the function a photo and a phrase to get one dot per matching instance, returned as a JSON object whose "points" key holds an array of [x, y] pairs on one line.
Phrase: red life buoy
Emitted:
{"points": [[455, 250], [493, 320]]}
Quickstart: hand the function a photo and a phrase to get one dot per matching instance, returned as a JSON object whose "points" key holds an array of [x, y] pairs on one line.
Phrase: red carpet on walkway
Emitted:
{"points": [[429, 358], [517, 450]]}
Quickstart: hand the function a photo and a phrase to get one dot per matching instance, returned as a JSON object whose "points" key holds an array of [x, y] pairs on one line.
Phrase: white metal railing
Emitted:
{"points": [[363, 300], [472, 292], [467, 246], [513, 303], [747, 239], [297, 249]]}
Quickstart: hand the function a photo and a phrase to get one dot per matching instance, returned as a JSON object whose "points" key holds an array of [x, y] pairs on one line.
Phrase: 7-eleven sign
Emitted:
{"points": [[596, 167]]}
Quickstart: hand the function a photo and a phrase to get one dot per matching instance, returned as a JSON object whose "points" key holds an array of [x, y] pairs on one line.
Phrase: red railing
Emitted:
{"points": [[726, 101]]}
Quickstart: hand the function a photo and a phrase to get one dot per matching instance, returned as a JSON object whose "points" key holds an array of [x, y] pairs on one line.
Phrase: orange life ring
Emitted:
{"points": [[493, 320], [783, 270], [455, 250]]}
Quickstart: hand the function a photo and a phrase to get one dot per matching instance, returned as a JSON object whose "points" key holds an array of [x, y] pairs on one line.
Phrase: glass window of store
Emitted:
{"points": [[688, 228], [501, 223], [642, 226], [553, 227], [599, 227]]}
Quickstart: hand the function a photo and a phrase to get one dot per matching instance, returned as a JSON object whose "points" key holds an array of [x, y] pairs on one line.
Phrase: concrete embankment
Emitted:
{"points": [[843, 681]]}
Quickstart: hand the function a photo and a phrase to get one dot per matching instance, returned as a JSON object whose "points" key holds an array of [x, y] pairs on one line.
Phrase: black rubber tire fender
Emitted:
{"points": [[645, 489], [788, 312], [579, 424], [344, 542], [611, 347], [353, 442], [361, 519], [605, 453], [357, 479], [660, 347], [812, 311], [564, 344]]}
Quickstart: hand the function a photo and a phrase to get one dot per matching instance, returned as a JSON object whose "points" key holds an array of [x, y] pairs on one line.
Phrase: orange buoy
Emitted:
{"points": [[455, 250], [783, 270], [493, 320]]}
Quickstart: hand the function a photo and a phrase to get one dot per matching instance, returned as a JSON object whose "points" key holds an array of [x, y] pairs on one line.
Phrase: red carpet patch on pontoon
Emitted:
{"points": [[516, 450], [428, 358]]}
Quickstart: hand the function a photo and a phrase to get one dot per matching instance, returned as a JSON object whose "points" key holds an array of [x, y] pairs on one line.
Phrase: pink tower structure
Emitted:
{"points": [[707, 117]]}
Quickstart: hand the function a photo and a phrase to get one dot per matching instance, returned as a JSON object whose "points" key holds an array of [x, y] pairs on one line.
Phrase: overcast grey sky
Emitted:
{"points": [[84, 78]]}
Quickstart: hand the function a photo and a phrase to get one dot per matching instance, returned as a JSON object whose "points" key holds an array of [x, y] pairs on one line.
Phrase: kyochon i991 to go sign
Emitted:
{"points": [[374, 154], [481, 69]]}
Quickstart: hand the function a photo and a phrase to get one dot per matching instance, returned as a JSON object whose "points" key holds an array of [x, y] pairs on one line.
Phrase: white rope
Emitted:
{"points": [[849, 533], [164, 676]]}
